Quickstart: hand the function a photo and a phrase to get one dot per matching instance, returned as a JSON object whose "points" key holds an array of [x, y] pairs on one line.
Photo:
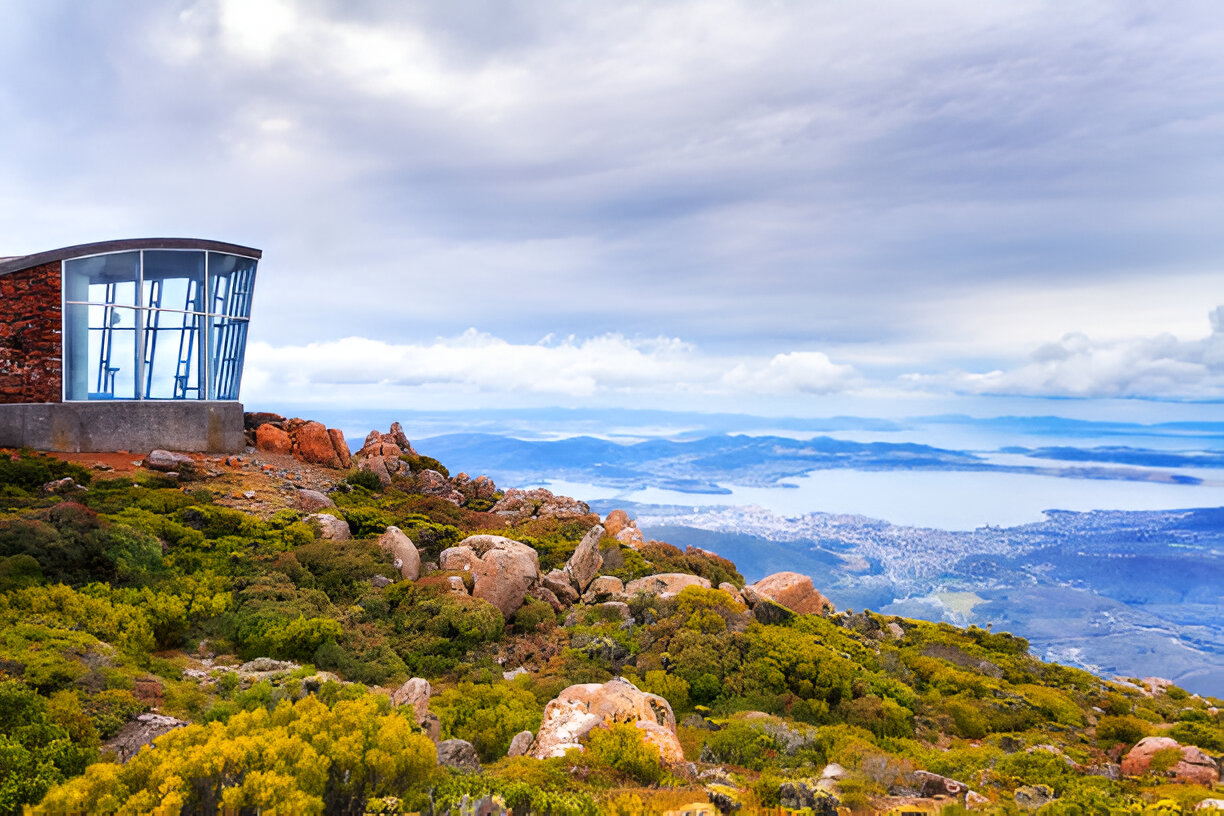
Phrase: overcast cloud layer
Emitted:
{"points": [[684, 200]]}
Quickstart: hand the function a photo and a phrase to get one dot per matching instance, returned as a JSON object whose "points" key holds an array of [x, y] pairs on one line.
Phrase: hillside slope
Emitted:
{"points": [[281, 649]]}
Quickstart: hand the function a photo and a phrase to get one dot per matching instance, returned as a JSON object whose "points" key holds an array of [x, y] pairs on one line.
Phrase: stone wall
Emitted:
{"points": [[31, 335]]}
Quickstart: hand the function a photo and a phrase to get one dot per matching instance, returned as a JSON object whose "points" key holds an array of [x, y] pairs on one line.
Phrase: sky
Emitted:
{"points": [[799, 207]]}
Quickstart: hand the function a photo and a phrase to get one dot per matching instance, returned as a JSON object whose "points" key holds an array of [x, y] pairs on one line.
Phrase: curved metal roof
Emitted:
{"points": [[8, 265]]}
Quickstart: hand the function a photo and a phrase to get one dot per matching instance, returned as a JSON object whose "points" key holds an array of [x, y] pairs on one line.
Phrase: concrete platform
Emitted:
{"points": [[139, 427]]}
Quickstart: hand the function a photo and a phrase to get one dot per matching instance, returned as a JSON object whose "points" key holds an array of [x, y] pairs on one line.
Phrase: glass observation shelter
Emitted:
{"points": [[156, 323]]}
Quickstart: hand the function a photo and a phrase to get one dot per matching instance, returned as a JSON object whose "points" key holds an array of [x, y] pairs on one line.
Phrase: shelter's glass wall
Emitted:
{"points": [[156, 324]]}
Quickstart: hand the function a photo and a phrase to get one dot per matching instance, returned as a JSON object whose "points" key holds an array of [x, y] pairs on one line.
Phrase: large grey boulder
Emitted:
{"points": [[166, 461], [414, 693], [520, 744], [329, 527], [400, 546], [139, 732], [458, 754]]}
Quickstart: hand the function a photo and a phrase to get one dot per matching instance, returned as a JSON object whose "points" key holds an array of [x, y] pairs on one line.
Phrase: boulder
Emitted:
{"points": [[586, 561], [580, 708], [330, 528], [414, 693], [666, 584], [340, 446], [401, 548], [518, 506], [483, 488], [616, 521], [1194, 767], [833, 771], [800, 794], [273, 439], [167, 461], [312, 443], [61, 487], [768, 612], [432, 727], [503, 569], [265, 668], [1031, 797], [603, 588], [433, 483], [458, 754], [630, 537], [792, 590], [138, 732], [520, 744], [559, 584], [1210, 804], [935, 785], [543, 593], [311, 500]]}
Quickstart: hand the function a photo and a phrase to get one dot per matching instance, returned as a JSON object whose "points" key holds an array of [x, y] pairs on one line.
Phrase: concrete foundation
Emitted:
{"points": [[139, 427]]}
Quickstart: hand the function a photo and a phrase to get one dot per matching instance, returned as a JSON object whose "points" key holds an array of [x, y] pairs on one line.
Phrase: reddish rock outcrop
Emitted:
{"points": [[623, 529], [340, 446], [503, 570], [305, 439], [791, 590], [666, 584], [392, 443], [273, 439], [579, 709], [313, 443], [1194, 767]]}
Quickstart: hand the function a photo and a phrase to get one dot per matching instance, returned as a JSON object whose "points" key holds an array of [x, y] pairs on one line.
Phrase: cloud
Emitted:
{"points": [[1077, 366], [566, 368], [784, 180], [807, 372]]}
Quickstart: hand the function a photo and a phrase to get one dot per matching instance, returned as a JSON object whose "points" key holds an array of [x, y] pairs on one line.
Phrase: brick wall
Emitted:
{"points": [[31, 335]]}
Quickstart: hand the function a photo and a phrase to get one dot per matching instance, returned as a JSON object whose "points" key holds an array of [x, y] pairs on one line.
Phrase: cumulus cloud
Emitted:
{"points": [[1162, 366], [808, 372], [566, 368]]}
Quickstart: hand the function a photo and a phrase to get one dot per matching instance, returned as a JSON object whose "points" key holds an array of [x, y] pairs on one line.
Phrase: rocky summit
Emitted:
{"points": [[300, 629]]}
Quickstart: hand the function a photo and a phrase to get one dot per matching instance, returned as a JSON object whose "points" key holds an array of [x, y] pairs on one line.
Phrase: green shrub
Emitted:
{"points": [[29, 470], [486, 715], [533, 614], [622, 748], [366, 479], [1128, 730], [739, 743]]}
